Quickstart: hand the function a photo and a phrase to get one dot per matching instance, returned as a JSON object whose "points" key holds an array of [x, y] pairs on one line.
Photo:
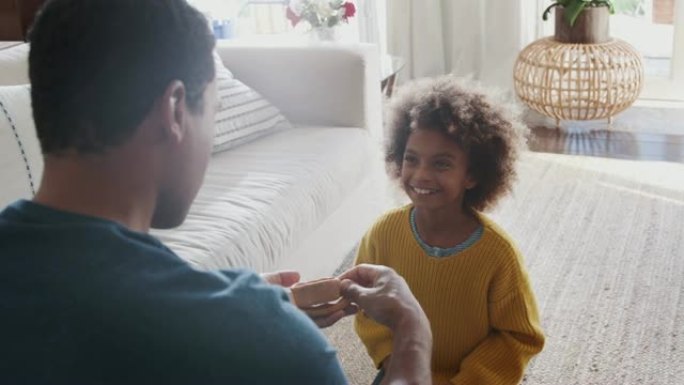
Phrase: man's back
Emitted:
{"points": [[85, 300]]}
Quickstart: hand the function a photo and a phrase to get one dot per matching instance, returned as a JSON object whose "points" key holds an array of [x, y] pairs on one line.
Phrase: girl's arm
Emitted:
{"points": [[516, 334]]}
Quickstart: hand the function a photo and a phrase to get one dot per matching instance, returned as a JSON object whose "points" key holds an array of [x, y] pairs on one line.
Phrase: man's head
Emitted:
{"points": [[102, 71]]}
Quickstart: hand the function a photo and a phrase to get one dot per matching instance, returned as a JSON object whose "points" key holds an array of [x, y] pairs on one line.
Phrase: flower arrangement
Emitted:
{"points": [[320, 13]]}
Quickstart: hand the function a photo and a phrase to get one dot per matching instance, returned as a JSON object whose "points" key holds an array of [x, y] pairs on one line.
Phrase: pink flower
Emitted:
{"points": [[292, 16], [349, 10]]}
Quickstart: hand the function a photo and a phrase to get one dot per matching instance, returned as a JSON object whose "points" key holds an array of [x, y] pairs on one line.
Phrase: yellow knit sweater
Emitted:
{"points": [[479, 302]]}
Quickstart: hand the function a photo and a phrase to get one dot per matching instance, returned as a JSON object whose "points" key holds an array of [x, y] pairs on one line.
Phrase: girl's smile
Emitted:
{"points": [[434, 171]]}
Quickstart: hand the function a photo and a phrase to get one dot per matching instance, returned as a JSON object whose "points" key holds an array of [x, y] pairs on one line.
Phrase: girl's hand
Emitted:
{"points": [[328, 314], [285, 278]]}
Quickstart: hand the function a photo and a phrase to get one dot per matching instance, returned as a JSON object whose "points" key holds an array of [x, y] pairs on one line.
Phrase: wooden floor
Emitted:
{"points": [[599, 139], [609, 143]]}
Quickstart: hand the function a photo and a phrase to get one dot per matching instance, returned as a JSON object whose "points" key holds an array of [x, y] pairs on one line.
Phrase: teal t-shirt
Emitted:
{"points": [[86, 301]]}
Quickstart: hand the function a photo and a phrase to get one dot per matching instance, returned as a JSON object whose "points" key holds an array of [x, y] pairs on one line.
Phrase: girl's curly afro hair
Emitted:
{"points": [[488, 130]]}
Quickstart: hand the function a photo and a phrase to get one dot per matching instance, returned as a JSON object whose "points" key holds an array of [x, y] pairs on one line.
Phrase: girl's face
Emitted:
{"points": [[434, 172]]}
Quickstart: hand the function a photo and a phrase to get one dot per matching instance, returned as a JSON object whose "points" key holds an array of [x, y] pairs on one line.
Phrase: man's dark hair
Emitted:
{"points": [[97, 67]]}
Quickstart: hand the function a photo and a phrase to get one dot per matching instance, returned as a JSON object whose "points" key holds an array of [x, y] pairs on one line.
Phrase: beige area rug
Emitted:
{"points": [[604, 245]]}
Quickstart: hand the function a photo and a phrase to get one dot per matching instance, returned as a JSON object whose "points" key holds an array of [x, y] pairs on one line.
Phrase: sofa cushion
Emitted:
{"points": [[21, 162], [222, 73], [260, 200], [243, 114]]}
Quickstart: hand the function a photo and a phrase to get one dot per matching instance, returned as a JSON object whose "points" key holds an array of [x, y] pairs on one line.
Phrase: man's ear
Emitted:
{"points": [[173, 109]]}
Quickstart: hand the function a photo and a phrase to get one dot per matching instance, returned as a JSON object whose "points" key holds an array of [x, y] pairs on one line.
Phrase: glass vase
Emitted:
{"points": [[326, 34]]}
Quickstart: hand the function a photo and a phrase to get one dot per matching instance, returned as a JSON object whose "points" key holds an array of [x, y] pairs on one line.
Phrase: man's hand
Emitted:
{"points": [[381, 293], [385, 297]]}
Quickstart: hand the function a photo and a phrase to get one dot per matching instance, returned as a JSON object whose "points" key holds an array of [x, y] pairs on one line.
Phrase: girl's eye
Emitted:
{"points": [[442, 165], [409, 159]]}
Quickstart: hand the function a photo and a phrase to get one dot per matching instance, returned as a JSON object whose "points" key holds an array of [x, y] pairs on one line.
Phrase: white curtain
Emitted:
{"points": [[372, 21], [479, 38]]}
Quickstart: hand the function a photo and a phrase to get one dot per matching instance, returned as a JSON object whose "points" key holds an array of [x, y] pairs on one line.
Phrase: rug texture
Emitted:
{"points": [[604, 244]]}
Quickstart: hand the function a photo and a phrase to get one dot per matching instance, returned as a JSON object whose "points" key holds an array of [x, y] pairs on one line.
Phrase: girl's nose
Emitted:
{"points": [[422, 172]]}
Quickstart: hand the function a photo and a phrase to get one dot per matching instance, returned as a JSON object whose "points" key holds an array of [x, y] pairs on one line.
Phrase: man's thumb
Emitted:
{"points": [[351, 290]]}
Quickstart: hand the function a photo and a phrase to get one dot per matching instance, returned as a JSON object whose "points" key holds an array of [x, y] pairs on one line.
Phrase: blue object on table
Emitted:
{"points": [[223, 29]]}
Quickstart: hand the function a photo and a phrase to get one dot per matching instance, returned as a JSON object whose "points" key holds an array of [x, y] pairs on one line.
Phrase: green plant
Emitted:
{"points": [[574, 7], [630, 7]]}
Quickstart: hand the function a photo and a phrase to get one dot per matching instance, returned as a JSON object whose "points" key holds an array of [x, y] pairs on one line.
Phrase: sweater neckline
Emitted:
{"points": [[441, 252]]}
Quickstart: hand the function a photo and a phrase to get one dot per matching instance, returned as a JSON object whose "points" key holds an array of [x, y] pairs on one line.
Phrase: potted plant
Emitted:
{"points": [[581, 21]]}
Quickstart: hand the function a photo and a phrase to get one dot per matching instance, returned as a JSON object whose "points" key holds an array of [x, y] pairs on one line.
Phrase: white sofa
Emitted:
{"points": [[296, 199]]}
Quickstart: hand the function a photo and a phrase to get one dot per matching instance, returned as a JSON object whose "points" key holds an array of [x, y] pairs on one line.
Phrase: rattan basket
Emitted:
{"points": [[578, 81]]}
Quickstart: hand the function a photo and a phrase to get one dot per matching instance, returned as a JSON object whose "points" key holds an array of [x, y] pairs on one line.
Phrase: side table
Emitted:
{"points": [[389, 68], [578, 81]]}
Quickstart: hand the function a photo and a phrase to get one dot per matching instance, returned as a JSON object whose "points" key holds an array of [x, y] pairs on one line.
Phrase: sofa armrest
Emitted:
{"points": [[14, 63], [331, 85]]}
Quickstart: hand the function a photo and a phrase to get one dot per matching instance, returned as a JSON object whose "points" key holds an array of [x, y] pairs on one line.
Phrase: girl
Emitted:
{"points": [[453, 153]]}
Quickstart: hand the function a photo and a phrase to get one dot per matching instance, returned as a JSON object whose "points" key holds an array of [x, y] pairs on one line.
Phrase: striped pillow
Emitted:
{"points": [[21, 161], [243, 114]]}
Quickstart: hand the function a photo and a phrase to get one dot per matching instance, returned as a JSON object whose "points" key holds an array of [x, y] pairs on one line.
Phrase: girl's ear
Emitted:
{"points": [[393, 169], [470, 182]]}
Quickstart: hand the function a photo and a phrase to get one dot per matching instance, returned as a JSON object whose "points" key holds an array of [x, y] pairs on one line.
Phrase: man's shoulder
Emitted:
{"points": [[29, 225], [240, 320], [127, 291]]}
